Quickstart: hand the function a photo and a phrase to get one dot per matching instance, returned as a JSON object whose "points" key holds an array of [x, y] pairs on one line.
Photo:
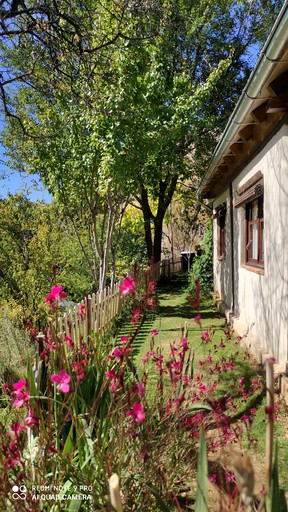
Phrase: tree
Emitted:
{"points": [[33, 240], [139, 91]]}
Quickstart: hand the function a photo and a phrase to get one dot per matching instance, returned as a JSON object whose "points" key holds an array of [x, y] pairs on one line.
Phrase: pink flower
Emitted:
{"points": [[137, 413], [198, 319], [62, 379], [110, 374], [154, 332], [113, 386], [135, 317], [222, 344], [80, 372], [81, 311], [127, 286], [21, 396], [230, 477], [184, 344], [16, 428], [31, 420], [151, 286], [69, 341], [152, 304], [209, 359], [212, 477], [119, 353], [17, 386], [206, 337], [55, 296]]}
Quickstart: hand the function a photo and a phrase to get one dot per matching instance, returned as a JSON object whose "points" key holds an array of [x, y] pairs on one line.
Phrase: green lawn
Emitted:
{"points": [[173, 313]]}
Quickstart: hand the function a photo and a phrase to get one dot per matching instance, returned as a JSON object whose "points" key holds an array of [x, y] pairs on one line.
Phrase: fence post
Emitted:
{"points": [[88, 305]]}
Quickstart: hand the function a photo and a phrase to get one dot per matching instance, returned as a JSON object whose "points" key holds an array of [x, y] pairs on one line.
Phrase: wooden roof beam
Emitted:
{"points": [[279, 104], [237, 147], [246, 133], [259, 114], [279, 85], [229, 159]]}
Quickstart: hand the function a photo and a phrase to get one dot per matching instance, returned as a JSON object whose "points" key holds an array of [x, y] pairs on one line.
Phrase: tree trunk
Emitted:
{"points": [[158, 230], [147, 215]]}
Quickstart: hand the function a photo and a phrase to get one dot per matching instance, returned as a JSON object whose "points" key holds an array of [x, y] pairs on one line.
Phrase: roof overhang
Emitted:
{"points": [[261, 106]]}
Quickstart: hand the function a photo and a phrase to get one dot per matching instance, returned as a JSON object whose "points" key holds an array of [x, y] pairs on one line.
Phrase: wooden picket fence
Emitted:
{"points": [[97, 311]]}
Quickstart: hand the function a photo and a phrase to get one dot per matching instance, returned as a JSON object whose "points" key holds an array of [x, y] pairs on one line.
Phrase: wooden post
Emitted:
{"points": [[115, 493], [88, 307], [38, 368], [269, 421]]}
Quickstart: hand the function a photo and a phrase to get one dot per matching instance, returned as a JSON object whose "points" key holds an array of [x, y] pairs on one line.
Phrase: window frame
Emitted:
{"points": [[221, 211], [249, 223]]}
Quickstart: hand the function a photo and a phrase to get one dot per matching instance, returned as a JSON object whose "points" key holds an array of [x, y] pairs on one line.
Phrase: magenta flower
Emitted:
{"points": [[206, 337], [17, 386], [21, 396], [119, 353], [198, 319], [69, 341], [152, 304], [62, 379], [154, 332], [137, 413], [151, 286], [136, 315], [110, 374], [55, 296], [82, 312], [127, 286], [16, 428], [31, 420], [78, 367], [184, 344], [213, 477]]}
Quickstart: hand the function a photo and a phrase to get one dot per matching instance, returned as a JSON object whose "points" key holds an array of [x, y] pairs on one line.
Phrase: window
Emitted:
{"points": [[250, 198], [221, 218], [255, 232]]}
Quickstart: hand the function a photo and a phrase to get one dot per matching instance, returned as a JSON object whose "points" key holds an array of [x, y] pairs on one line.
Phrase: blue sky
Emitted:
{"points": [[14, 182], [29, 185]]}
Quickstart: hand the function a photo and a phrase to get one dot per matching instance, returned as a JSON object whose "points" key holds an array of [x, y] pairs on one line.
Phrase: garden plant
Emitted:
{"points": [[161, 425]]}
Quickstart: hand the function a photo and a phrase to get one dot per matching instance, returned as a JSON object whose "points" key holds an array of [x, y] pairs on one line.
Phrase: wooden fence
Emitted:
{"points": [[97, 311]]}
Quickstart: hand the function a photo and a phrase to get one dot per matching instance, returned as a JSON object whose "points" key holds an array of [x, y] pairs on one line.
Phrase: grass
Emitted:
{"points": [[174, 312]]}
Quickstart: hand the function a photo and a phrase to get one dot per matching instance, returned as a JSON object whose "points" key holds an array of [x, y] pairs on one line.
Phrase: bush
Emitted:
{"points": [[15, 346], [202, 267]]}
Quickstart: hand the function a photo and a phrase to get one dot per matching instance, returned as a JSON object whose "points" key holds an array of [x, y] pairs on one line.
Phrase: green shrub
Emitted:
{"points": [[202, 267], [15, 345]]}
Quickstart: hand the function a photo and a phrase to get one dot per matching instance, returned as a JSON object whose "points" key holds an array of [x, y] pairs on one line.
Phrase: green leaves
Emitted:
{"points": [[201, 504]]}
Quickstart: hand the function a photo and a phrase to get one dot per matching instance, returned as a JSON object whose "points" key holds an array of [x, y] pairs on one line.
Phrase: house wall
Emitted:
{"points": [[261, 301], [223, 268]]}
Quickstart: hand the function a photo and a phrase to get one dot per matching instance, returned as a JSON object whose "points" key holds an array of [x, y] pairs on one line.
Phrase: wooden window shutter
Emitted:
{"points": [[243, 240]]}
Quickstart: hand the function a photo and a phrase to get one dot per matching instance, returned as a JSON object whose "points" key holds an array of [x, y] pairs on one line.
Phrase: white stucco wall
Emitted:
{"points": [[261, 301], [222, 268]]}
